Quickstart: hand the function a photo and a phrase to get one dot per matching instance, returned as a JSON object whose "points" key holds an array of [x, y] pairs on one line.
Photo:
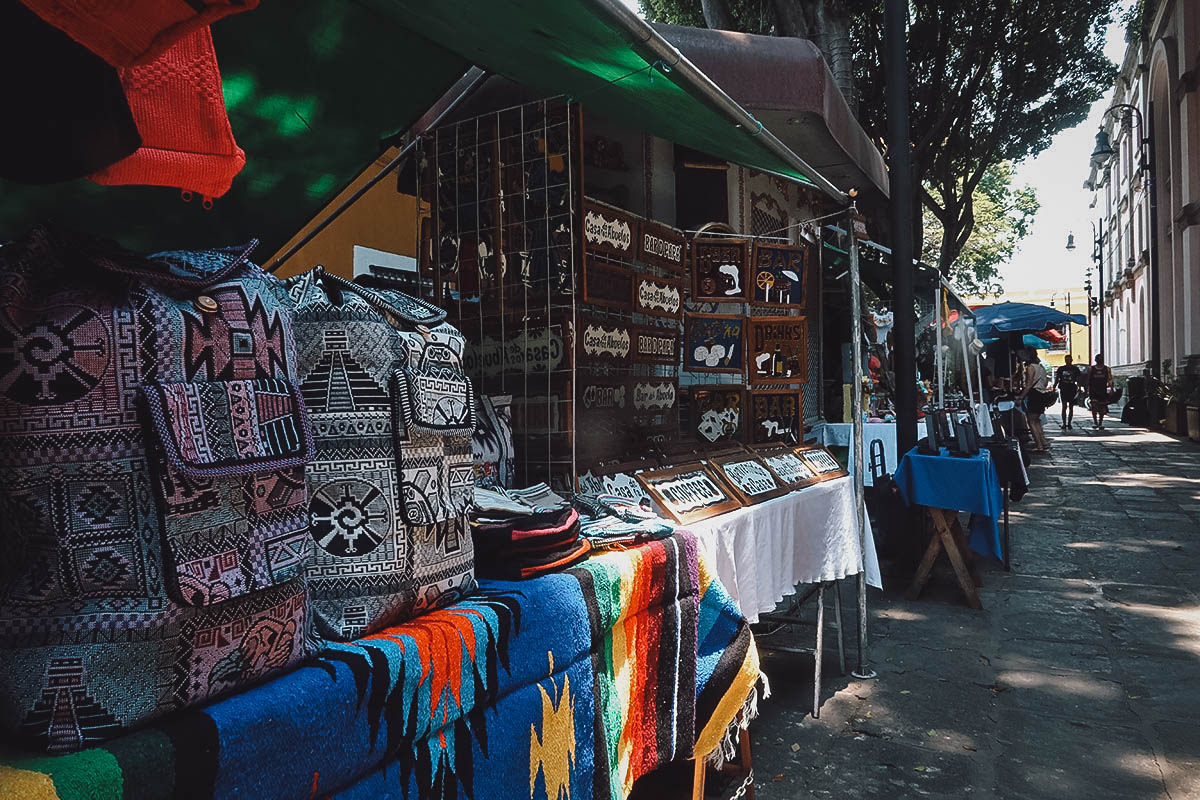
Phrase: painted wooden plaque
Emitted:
{"points": [[660, 296], [820, 461], [688, 493], [777, 275], [661, 246], [777, 349], [788, 467], [654, 344], [606, 284], [604, 340], [609, 230], [748, 477], [774, 417], [653, 395], [603, 393], [714, 343], [717, 414], [616, 479], [719, 270]]}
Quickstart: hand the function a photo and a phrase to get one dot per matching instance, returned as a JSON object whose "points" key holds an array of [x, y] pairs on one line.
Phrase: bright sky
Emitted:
{"points": [[1057, 174]]}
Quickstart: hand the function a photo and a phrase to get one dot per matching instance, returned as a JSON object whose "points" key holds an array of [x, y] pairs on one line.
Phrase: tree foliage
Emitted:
{"points": [[1003, 217], [989, 81]]}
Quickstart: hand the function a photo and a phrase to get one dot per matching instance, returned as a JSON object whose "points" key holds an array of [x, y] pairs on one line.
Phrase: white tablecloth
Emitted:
{"points": [[763, 552], [840, 434]]}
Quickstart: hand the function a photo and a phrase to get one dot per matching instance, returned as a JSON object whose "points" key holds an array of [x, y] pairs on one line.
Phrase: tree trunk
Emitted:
{"points": [[716, 15], [792, 19], [832, 35]]}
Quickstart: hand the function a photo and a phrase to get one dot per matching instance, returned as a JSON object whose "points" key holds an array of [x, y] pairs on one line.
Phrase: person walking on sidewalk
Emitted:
{"points": [[1066, 381], [1099, 381], [1036, 382]]}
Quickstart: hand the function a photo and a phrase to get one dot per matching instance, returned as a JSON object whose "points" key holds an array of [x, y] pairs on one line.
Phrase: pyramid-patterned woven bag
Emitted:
{"points": [[152, 499], [391, 480]]}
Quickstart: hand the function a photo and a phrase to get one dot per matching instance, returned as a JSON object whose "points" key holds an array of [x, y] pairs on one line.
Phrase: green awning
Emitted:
{"points": [[312, 88], [576, 49]]}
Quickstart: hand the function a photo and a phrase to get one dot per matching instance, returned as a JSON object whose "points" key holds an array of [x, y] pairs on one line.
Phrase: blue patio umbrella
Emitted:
{"points": [[1020, 318]]}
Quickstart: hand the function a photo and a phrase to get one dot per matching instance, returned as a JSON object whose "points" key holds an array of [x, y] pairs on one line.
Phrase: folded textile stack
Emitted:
{"points": [[610, 521], [524, 533]]}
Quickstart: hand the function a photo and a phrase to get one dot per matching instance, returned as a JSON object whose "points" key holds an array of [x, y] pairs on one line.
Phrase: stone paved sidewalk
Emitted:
{"points": [[1080, 679]]}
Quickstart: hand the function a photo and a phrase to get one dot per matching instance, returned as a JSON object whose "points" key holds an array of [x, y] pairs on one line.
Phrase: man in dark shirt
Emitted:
{"points": [[1066, 381]]}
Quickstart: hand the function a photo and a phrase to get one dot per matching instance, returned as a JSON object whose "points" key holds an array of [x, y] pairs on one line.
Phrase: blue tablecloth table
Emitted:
{"points": [[945, 485]]}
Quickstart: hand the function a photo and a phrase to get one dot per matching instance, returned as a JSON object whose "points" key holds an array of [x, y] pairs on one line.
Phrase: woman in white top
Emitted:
{"points": [[1036, 383]]}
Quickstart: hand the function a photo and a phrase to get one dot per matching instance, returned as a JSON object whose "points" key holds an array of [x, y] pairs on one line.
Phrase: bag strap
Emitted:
{"points": [[390, 302]]}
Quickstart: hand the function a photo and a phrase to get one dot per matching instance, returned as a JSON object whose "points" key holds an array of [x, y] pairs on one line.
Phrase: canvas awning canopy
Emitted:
{"points": [[313, 88], [1020, 318]]}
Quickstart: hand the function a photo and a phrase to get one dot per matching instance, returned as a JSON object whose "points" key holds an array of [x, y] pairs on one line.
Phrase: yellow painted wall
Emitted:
{"points": [[382, 218]]}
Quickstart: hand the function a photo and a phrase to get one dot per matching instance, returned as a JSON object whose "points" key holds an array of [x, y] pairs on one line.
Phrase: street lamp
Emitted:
{"points": [[1095, 306], [1146, 164]]}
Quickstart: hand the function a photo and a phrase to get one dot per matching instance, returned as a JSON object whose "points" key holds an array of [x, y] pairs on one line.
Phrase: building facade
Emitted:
{"points": [[1148, 199]]}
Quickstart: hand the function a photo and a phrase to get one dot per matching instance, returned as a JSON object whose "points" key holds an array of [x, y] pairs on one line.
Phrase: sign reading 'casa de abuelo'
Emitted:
{"points": [[609, 230]]}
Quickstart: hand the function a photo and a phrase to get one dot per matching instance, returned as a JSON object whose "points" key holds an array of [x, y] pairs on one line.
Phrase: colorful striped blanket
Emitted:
{"points": [[632, 659]]}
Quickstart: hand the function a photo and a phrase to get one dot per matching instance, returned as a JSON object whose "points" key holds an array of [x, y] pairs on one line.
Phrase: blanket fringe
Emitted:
{"points": [[727, 750]]}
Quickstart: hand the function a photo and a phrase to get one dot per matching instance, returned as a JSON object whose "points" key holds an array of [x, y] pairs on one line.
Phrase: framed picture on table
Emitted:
{"points": [[688, 493], [616, 479], [788, 467], [820, 461], [777, 349], [777, 275], [749, 478], [714, 343]]}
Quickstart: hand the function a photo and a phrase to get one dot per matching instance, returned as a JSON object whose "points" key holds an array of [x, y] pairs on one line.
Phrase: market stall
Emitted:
{"points": [[359, 526]]}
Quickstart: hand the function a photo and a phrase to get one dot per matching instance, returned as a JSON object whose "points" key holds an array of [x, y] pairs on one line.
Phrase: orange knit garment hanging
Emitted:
{"points": [[179, 111], [133, 31]]}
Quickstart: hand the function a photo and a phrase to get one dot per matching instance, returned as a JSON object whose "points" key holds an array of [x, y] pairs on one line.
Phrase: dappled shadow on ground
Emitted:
{"points": [[1080, 678]]}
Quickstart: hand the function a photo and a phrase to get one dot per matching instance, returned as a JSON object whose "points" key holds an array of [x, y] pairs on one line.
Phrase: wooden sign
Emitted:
{"points": [[791, 471], [714, 343], [774, 417], [603, 393], [607, 284], [660, 296], [777, 275], [719, 270], [608, 230], [717, 413], [662, 247], [688, 493], [533, 347], [748, 477], [605, 340], [777, 349], [652, 395], [616, 479], [820, 461], [653, 344]]}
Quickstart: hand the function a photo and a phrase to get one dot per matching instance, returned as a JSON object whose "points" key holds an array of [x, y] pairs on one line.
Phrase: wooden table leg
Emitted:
{"points": [[922, 577], [964, 545], [945, 521], [698, 779]]}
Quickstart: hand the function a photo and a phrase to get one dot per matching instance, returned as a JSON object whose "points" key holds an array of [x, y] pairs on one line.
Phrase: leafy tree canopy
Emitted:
{"points": [[1003, 217], [989, 81]]}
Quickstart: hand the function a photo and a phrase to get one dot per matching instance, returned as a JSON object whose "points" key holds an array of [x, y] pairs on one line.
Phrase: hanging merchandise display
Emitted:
{"points": [[152, 462], [392, 477]]}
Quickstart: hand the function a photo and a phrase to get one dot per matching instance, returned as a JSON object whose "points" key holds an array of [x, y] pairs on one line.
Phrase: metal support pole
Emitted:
{"points": [[1151, 162], [837, 617], [941, 366], [819, 651], [858, 461], [903, 197]]}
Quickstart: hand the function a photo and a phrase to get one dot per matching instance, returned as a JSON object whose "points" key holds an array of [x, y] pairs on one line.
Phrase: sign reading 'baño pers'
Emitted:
{"points": [[608, 230], [655, 345], [661, 246], [688, 493]]}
